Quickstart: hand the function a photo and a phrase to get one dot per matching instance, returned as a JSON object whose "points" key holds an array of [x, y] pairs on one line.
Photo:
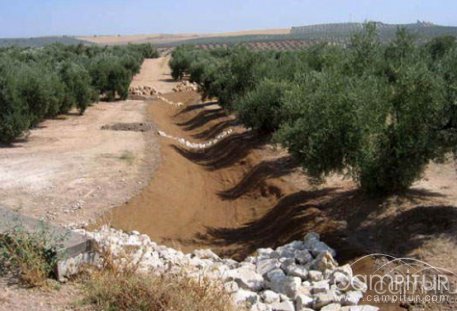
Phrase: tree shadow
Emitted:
{"points": [[258, 174], [202, 118], [216, 129], [195, 107], [226, 152], [342, 218]]}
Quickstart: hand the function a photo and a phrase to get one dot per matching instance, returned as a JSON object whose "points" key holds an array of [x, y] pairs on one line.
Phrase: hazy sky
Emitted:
{"points": [[26, 18]]}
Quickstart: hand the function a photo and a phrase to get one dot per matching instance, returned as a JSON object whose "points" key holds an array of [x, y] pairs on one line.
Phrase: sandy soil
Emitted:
{"points": [[168, 38], [69, 170], [155, 73], [55, 297]]}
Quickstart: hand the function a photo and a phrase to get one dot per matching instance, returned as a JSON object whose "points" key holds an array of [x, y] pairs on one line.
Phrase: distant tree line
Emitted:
{"points": [[38, 83], [377, 112]]}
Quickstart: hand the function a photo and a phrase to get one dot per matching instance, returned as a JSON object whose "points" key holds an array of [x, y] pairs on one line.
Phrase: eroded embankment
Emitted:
{"points": [[230, 197]]}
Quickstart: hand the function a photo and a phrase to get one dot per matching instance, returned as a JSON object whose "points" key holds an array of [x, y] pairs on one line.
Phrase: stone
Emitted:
{"points": [[320, 287], [285, 262], [258, 306], [315, 276], [360, 308], [291, 286], [265, 266], [303, 256], [332, 307], [283, 306], [264, 252], [270, 297], [315, 246], [303, 301], [341, 280], [246, 278], [276, 275], [286, 252], [243, 296], [231, 287], [298, 271], [352, 298], [283, 297], [357, 285], [325, 298], [324, 261]]}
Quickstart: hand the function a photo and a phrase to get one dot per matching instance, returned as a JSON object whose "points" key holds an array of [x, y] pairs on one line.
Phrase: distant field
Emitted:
{"points": [[39, 41], [165, 39], [276, 39], [303, 36]]}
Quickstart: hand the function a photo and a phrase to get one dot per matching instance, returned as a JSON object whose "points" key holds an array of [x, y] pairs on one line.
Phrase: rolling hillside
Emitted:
{"points": [[302, 36], [39, 41]]}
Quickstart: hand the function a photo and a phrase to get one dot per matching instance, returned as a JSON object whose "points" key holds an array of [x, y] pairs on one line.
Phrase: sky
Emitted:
{"points": [[31, 18]]}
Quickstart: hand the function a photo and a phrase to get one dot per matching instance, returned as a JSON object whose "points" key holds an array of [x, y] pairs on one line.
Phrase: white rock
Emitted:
{"points": [[315, 246], [320, 287], [341, 280], [351, 298], [303, 302], [270, 296], [264, 252], [283, 306], [332, 307], [303, 256], [288, 286], [260, 307], [246, 278], [324, 261], [298, 271], [360, 308], [231, 287], [325, 298], [243, 297], [315, 276], [287, 252], [265, 266], [299, 245], [276, 275]]}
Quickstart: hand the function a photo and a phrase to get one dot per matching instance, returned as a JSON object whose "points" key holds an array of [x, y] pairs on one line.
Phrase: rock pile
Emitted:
{"points": [[143, 91], [299, 276], [197, 146], [184, 86], [167, 101]]}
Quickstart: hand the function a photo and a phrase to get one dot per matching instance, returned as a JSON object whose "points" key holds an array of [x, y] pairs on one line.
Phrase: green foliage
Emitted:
{"points": [[260, 108], [377, 112], [40, 83], [439, 46], [29, 255]]}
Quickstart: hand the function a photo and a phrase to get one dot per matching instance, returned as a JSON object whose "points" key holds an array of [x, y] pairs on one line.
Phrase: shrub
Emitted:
{"points": [[110, 77], [28, 255], [260, 108], [181, 61], [14, 116], [40, 83], [78, 91], [382, 135], [378, 112]]}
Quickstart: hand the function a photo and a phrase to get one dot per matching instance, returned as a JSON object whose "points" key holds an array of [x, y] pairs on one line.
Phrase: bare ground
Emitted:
{"points": [[168, 38]]}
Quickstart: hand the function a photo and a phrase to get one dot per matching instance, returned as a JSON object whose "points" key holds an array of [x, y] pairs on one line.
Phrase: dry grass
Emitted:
{"points": [[124, 291], [118, 286]]}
